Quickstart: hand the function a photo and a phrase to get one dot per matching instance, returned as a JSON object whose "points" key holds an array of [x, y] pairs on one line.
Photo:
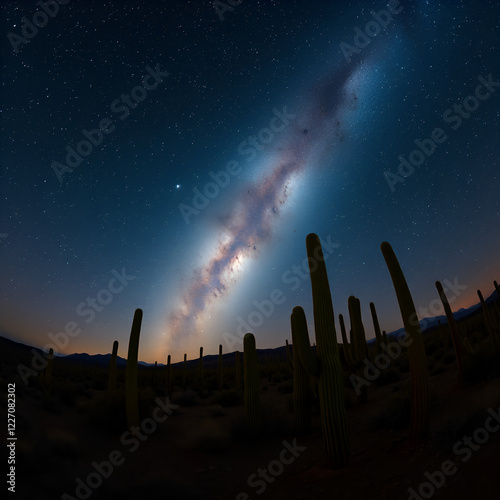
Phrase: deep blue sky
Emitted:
{"points": [[321, 171]]}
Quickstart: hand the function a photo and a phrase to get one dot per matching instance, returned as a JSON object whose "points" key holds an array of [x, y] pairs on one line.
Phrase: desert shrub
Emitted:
{"points": [[395, 415], [403, 364], [438, 353], [483, 365], [188, 398], [67, 393], [432, 345], [106, 412], [227, 398], [285, 387], [388, 376], [449, 357]]}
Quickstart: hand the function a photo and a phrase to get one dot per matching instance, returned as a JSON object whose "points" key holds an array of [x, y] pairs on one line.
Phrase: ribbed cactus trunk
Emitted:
{"points": [[112, 368], [326, 366], [384, 337], [491, 326], [153, 377], [301, 382], [48, 371], [200, 369], [251, 382], [359, 349], [288, 355], [346, 347], [376, 327], [237, 373], [169, 381], [455, 336], [131, 390], [220, 373], [419, 378], [184, 370]]}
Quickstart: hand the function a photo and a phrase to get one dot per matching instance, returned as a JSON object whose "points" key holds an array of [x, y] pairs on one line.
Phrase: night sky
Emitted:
{"points": [[301, 126]]}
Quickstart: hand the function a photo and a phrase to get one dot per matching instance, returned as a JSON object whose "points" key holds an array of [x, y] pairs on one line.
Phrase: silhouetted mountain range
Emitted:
{"points": [[22, 351]]}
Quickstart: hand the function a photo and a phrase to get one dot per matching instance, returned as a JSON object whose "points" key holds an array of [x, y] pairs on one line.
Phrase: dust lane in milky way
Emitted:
{"points": [[258, 208]]}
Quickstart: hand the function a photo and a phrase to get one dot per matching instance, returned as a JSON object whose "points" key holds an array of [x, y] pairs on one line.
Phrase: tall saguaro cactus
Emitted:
{"points": [[358, 348], [112, 367], [200, 369], [376, 327], [184, 369], [326, 364], [131, 391], [455, 336], [238, 371], [301, 384], [48, 371], [251, 381], [169, 377], [491, 324], [419, 423], [220, 373]]}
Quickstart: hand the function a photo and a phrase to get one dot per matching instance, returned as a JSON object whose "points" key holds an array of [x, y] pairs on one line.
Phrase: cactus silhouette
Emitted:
{"points": [[384, 337], [358, 349], [346, 347], [455, 336], [184, 369], [238, 371], [326, 366], [131, 391], [153, 376], [48, 372], [251, 381], [491, 324], [288, 355], [220, 373], [376, 327], [301, 383], [112, 367], [169, 379], [200, 369], [419, 377]]}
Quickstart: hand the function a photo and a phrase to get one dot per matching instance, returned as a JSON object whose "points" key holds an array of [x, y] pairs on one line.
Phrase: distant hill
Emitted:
{"points": [[22, 352]]}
